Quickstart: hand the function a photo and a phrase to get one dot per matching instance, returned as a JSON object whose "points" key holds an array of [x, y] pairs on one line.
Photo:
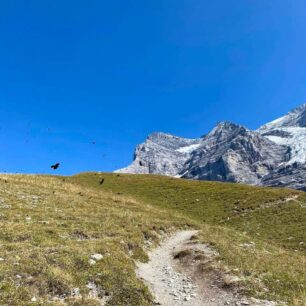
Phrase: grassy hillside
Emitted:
{"points": [[259, 232], [264, 213], [51, 227]]}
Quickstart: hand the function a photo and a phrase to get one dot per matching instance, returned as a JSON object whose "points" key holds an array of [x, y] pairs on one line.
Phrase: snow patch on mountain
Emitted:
{"points": [[188, 149]]}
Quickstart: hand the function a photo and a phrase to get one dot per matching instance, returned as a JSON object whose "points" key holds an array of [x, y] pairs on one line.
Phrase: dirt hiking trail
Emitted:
{"points": [[177, 282]]}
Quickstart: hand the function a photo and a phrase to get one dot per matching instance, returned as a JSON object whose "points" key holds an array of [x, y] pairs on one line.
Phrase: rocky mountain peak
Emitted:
{"points": [[273, 155], [226, 129], [228, 125]]}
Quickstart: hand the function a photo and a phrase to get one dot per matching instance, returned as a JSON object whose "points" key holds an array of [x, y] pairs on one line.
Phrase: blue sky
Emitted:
{"points": [[111, 72]]}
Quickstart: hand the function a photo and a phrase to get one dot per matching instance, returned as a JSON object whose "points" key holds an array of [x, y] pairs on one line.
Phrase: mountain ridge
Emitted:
{"points": [[273, 155]]}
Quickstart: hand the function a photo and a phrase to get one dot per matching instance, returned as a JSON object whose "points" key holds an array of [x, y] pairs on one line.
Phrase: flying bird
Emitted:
{"points": [[101, 181], [54, 167]]}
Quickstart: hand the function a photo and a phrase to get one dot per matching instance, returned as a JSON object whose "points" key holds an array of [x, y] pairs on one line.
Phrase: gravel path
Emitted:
{"points": [[175, 285], [171, 288]]}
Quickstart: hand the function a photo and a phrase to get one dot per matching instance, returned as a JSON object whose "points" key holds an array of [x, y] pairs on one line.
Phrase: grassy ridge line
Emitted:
{"points": [[259, 211]]}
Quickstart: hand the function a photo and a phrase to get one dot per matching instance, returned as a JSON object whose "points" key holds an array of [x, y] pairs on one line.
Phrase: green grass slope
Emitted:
{"points": [[259, 232], [258, 211], [51, 226]]}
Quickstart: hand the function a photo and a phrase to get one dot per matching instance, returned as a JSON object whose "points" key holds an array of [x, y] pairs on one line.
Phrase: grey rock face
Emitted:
{"points": [[161, 154], [291, 176], [274, 155], [232, 153]]}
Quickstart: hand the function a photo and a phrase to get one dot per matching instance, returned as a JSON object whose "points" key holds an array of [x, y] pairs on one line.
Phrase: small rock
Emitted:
{"points": [[230, 280], [34, 299], [243, 303], [92, 262], [247, 245], [96, 257], [75, 292]]}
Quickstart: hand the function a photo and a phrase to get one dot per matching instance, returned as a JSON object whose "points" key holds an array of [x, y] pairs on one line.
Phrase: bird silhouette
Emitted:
{"points": [[55, 166], [101, 181]]}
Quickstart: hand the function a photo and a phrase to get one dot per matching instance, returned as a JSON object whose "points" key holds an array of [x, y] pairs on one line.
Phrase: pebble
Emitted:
{"points": [[96, 257], [75, 292], [92, 262]]}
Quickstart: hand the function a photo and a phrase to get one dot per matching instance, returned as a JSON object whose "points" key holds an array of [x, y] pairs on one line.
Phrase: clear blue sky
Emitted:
{"points": [[73, 72]]}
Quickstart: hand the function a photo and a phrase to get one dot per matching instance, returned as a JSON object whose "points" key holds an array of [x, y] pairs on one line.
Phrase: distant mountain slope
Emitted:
{"points": [[274, 155]]}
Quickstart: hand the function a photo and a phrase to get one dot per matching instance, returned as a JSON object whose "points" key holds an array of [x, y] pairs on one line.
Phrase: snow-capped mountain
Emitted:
{"points": [[274, 155]]}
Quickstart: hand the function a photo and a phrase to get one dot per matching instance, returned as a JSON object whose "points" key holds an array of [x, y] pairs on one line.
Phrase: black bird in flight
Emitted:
{"points": [[101, 181], [54, 167]]}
